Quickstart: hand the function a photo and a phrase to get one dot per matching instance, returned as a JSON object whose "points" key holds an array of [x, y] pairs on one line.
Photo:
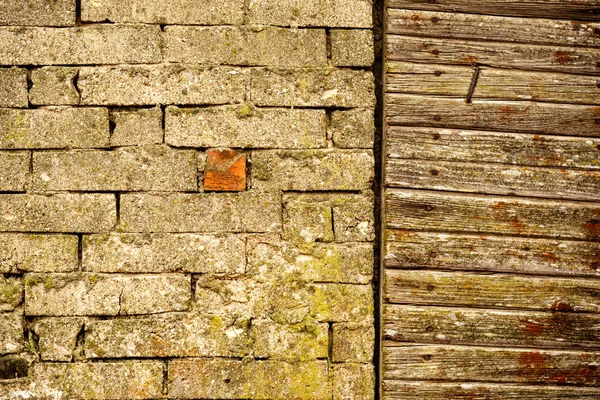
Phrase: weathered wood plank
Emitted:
{"points": [[493, 179], [580, 60], [492, 83], [443, 325], [428, 210], [558, 119], [493, 147], [410, 249], [565, 9], [419, 390], [486, 27], [461, 363], [499, 290]]}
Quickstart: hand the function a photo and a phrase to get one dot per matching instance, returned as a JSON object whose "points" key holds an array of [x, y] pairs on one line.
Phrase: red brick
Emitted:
{"points": [[225, 171]]}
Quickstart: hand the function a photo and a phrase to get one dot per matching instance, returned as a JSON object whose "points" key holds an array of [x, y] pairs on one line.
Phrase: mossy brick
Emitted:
{"points": [[354, 218], [256, 379], [167, 335], [13, 87], [174, 12], [66, 212], [352, 47], [312, 87], [353, 381], [38, 13], [353, 128], [353, 342], [305, 223], [11, 293], [98, 381], [157, 253], [57, 337], [11, 332], [333, 302], [312, 170], [54, 86], [14, 171], [37, 253], [246, 126], [136, 127], [54, 127], [90, 44], [330, 13], [207, 212], [143, 168], [225, 170], [131, 85], [245, 46], [97, 294]]}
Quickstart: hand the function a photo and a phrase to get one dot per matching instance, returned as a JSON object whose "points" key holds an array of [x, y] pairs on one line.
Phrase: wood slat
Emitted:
{"points": [[579, 60], [409, 249], [493, 179], [492, 147], [444, 325], [558, 119], [403, 390], [426, 210], [493, 28], [497, 84], [496, 291], [565, 9], [461, 363]]}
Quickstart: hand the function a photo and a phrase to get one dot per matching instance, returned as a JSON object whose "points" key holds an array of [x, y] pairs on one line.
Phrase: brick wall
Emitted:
{"points": [[186, 204]]}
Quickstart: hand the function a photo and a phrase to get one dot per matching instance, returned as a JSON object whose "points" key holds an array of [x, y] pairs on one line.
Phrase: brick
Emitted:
{"points": [[38, 13], [11, 368], [68, 212], [169, 335], [175, 12], [354, 219], [222, 212], [136, 127], [353, 342], [333, 302], [95, 294], [353, 381], [57, 337], [353, 128], [14, 171], [11, 293], [54, 127], [11, 332], [327, 87], [307, 222], [54, 86], [156, 253], [330, 13], [98, 381], [352, 48], [150, 168], [91, 44], [312, 170], [247, 46], [245, 126], [234, 379], [225, 171], [13, 86], [37, 253], [216, 296], [161, 84]]}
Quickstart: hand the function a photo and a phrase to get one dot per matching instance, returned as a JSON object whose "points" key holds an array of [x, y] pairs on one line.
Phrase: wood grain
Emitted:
{"points": [[494, 291], [515, 116], [428, 210], [410, 249], [493, 28], [449, 325], [531, 57], [566, 9], [462, 363]]}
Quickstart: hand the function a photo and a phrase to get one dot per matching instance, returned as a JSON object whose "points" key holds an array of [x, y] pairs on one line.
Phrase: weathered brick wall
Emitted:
{"points": [[186, 203]]}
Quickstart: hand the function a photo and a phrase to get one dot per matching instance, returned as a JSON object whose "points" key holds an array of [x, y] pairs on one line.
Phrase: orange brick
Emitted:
{"points": [[225, 171]]}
